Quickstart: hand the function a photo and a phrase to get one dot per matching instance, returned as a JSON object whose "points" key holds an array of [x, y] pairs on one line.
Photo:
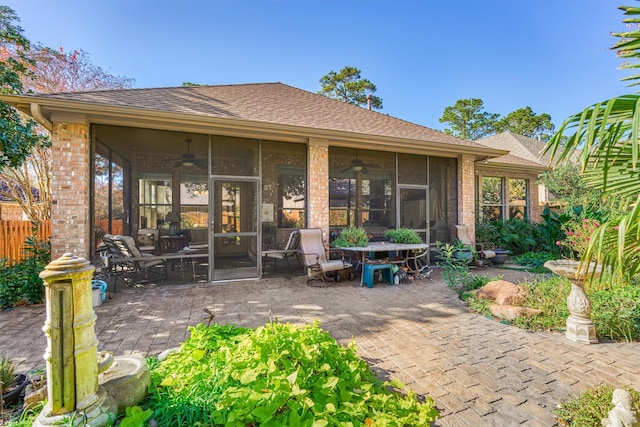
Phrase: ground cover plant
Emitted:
{"points": [[534, 261], [615, 310], [590, 407], [275, 375]]}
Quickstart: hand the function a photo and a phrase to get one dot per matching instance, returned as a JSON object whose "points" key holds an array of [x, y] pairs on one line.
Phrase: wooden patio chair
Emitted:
{"points": [[315, 257]]}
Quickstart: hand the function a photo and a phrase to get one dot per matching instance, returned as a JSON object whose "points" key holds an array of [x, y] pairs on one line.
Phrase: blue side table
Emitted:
{"points": [[387, 274]]}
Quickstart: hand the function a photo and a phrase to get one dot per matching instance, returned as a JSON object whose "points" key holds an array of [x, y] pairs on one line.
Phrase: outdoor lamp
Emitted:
{"points": [[174, 220]]}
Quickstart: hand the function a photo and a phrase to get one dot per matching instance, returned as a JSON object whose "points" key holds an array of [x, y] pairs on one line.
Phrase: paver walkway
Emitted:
{"points": [[480, 372]]}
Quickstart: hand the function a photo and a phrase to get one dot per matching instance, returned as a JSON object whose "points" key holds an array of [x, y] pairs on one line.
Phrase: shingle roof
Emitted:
{"points": [[274, 103], [510, 159], [521, 146]]}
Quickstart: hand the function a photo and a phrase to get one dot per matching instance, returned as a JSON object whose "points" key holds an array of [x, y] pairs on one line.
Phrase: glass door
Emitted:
{"points": [[235, 228]]}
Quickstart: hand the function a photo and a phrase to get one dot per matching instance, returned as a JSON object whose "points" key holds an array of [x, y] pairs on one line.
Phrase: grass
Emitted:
{"points": [[590, 407]]}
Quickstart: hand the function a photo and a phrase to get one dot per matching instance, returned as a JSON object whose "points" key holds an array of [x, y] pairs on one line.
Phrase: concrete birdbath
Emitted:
{"points": [[580, 327]]}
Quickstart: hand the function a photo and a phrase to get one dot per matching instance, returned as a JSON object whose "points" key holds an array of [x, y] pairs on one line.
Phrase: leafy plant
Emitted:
{"points": [[590, 407], [605, 138], [135, 416], [549, 230], [7, 373], [403, 235], [351, 237], [488, 231], [454, 268], [518, 236], [21, 282], [274, 375]]}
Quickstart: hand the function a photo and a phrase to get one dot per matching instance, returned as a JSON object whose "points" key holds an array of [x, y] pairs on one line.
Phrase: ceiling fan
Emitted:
{"points": [[189, 159], [358, 165]]}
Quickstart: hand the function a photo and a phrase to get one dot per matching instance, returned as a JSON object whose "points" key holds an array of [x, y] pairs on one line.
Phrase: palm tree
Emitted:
{"points": [[607, 135]]}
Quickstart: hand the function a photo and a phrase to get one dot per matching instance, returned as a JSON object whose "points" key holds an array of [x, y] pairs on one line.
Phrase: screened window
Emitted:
{"points": [[361, 188], [518, 198], [194, 201], [155, 198], [283, 187], [492, 198]]}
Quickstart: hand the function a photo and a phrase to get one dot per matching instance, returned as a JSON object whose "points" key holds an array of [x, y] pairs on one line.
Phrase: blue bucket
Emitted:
{"points": [[102, 286]]}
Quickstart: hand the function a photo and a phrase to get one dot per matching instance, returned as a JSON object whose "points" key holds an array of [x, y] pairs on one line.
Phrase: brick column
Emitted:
{"points": [[534, 200], [466, 193], [318, 184], [70, 169]]}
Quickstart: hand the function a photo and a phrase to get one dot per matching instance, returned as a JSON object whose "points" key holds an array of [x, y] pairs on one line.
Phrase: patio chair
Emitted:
{"points": [[290, 250], [126, 260], [484, 250], [315, 257]]}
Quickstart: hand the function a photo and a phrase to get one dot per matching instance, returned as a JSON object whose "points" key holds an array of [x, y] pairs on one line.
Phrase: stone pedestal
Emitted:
{"points": [[580, 327], [71, 355]]}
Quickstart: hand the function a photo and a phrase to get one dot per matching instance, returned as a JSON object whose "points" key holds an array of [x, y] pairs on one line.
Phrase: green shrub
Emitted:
{"points": [[488, 231], [403, 235], [278, 374], [21, 283], [549, 231], [534, 260], [590, 407], [351, 237], [518, 236]]}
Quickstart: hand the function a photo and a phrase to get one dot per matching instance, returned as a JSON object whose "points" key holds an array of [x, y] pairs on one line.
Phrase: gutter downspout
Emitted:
{"points": [[36, 113]]}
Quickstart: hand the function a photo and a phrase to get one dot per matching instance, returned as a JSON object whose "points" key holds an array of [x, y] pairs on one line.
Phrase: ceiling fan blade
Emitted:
{"points": [[200, 164], [347, 169]]}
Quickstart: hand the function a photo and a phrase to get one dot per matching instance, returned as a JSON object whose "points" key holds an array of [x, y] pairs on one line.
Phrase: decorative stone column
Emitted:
{"points": [[580, 327], [71, 354]]}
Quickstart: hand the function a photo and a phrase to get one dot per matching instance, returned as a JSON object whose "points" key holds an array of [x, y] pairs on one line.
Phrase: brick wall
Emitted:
{"points": [[318, 190], [70, 166]]}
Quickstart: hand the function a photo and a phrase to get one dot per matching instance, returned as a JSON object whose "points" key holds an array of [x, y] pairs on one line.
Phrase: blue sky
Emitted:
{"points": [[423, 55]]}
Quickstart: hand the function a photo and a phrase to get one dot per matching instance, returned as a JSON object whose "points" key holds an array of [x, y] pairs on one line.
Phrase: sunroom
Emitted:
{"points": [[235, 169]]}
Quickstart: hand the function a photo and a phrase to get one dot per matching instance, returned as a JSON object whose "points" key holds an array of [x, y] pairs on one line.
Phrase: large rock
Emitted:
{"points": [[510, 312], [502, 292]]}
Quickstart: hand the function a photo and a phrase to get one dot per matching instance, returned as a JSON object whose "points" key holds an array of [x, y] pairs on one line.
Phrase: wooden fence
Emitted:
{"points": [[13, 235]]}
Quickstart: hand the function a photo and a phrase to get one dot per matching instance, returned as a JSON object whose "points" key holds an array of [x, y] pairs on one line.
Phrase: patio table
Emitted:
{"points": [[408, 248]]}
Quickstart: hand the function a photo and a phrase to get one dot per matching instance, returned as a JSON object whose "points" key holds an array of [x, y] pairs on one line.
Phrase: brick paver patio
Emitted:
{"points": [[480, 372]]}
